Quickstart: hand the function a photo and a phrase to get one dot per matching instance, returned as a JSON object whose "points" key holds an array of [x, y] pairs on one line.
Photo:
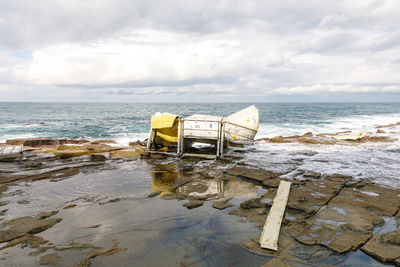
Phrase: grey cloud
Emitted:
{"points": [[387, 43], [27, 23], [333, 43], [329, 29], [155, 83]]}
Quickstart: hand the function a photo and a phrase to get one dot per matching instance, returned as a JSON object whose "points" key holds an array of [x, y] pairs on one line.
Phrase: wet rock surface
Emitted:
{"points": [[385, 246], [328, 215], [326, 139], [223, 204], [50, 259], [193, 203], [333, 212], [255, 175], [26, 226]]}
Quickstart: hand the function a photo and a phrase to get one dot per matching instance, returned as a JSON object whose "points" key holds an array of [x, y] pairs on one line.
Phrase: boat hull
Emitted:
{"points": [[202, 127], [237, 134]]}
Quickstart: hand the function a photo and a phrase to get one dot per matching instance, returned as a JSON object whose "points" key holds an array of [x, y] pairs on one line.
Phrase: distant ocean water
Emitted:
{"points": [[125, 122], [128, 121]]}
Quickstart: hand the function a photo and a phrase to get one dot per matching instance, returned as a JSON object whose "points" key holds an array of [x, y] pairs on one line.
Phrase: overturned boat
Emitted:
{"points": [[172, 134]]}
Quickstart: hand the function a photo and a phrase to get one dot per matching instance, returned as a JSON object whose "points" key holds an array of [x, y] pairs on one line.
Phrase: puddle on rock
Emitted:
{"points": [[153, 231]]}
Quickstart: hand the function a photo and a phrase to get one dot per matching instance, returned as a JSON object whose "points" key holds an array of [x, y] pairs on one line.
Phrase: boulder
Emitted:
{"points": [[256, 215], [193, 203], [252, 203], [223, 204]]}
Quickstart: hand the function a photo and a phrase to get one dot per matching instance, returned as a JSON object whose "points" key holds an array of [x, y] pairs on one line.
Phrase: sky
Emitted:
{"points": [[200, 51]]}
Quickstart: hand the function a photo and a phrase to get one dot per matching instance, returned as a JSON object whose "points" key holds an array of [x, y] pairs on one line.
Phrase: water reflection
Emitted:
{"points": [[217, 187], [162, 180], [239, 188]]}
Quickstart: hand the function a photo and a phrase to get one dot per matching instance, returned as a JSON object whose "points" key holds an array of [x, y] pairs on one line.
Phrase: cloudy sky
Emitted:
{"points": [[199, 51]]}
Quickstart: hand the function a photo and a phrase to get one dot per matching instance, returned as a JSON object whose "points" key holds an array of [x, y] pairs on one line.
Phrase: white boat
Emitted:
{"points": [[242, 126], [239, 128], [202, 127]]}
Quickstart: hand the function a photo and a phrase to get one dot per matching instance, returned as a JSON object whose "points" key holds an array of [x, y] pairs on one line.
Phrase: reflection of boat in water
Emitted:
{"points": [[219, 189], [171, 133], [162, 180], [211, 188], [239, 188]]}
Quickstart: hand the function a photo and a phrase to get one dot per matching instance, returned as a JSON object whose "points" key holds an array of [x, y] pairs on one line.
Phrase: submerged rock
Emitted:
{"points": [[50, 259], [109, 201], [252, 203], [100, 252], [222, 204], [193, 203], [253, 209], [70, 206], [31, 240], [23, 226], [45, 214]]}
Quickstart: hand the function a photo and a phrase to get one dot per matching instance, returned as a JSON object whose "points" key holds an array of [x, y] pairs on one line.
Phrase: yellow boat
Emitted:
{"points": [[164, 130]]}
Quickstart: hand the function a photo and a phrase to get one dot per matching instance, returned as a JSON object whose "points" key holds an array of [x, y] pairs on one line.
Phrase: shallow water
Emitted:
{"points": [[155, 232]]}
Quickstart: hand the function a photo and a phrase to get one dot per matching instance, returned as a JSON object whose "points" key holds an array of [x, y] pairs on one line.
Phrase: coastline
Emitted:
{"points": [[118, 204]]}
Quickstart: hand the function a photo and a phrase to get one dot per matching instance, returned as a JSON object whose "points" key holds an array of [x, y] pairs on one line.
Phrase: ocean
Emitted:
{"points": [[125, 122]]}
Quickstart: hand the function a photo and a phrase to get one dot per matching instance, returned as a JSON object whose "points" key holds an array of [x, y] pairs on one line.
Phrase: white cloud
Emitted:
{"points": [[199, 48], [152, 57]]}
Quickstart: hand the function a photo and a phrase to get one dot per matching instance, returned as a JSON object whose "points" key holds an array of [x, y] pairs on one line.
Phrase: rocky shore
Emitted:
{"points": [[329, 217]]}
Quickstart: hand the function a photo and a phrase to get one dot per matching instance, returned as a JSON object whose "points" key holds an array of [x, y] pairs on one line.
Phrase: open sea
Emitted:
{"points": [[125, 122]]}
